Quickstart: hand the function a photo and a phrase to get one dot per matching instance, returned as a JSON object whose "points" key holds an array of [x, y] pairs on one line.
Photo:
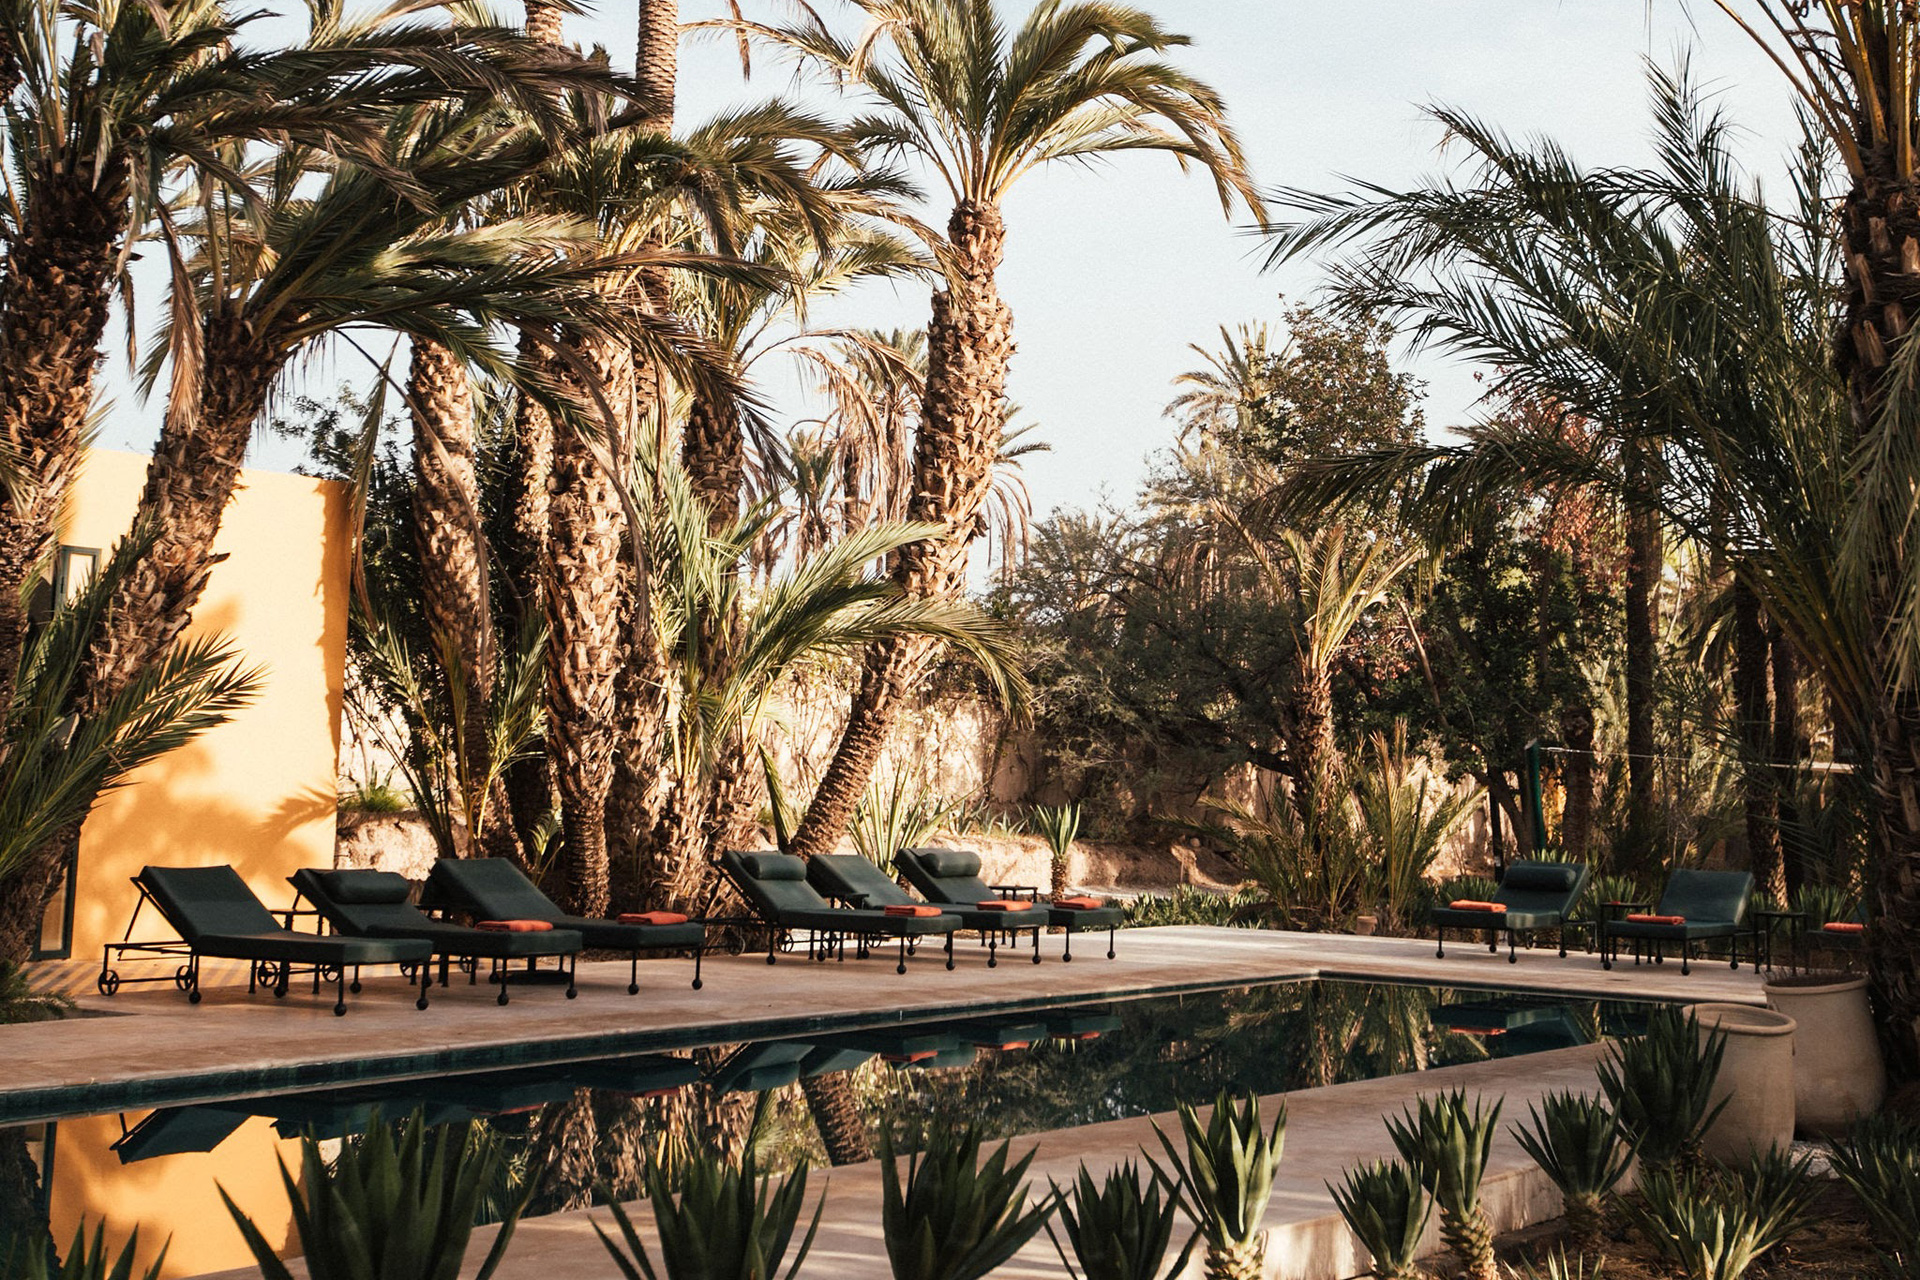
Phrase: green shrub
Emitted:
{"points": [[1558, 1266], [85, 1260], [1225, 1179], [19, 1002], [1189, 905], [1880, 1162], [1660, 1086], [954, 1217], [1386, 1205], [729, 1223], [1715, 1223], [1448, 1142], [1573, 1138], [398, 1204], [1610, 888], [1120, 1231]]}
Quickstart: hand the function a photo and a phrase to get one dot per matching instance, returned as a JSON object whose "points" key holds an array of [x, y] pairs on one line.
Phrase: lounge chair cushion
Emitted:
{"points": [[514, 926], [650, 917], [949, 863], [945, 875], [1706, 896], [1079, 904], [773, 866], [1842, 926], [496, 889], [1543, 877], [365, 888], [775, 884], [401, 919]]}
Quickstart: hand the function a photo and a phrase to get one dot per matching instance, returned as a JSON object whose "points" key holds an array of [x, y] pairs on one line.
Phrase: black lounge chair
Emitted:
{"points": [[495, 889], [373, 904], [1698, 905], [179, 1131], [951, 878], [1536, 895], [216, 915], [775, 886], [856, 881]]}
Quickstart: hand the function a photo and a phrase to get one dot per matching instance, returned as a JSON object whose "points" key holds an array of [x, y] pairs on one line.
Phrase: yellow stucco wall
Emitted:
{"points": [[258, 792]]}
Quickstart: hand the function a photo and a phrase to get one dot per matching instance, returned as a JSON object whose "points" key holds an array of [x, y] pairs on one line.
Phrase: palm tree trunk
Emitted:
{"points": [[563, 1151], [1644, 562], [23, 904], [583, 619], [53, 306], [714, 452], [544, 22], [969, 346], [657, 62], [191, 478], [1310, 740], [529, 780], [453, 564], [1751, 691], [1576, 776], [836, 1114], [1787, 749]]}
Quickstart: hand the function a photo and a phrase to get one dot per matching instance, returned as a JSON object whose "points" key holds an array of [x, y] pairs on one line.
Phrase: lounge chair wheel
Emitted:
{"points": [[339, 1011], [633, 988], [502, 997], [193, 997], [1067, 958], [1036, 951], [573, 993], [949, 965], [421, 1003], [1606, 964], [183, 978], [699, 983], [993, 961], [108, 983]]}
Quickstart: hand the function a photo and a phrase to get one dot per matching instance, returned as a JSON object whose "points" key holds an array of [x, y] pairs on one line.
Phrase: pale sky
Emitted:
{"points": [[1112, 272]]}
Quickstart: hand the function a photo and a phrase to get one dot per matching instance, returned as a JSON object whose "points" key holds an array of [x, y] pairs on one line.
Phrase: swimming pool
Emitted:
{"points": [[1027, 1071]]}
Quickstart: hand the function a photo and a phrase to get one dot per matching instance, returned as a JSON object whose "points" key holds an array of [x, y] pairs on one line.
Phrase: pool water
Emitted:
{"points": [[578, 1130]]}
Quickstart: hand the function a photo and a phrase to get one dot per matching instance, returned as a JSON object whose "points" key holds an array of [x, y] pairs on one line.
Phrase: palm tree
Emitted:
{"points": [[1674, 316], [980, 105], [1220, 398], [1855, 66]]}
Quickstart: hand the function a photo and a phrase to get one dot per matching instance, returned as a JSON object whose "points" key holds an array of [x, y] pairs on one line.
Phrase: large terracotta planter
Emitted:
{"points": [[1839, 1074], [1756, 1079]]}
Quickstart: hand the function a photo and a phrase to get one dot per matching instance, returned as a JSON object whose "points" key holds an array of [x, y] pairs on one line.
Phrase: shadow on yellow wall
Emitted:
{"points": [[257, 793]]}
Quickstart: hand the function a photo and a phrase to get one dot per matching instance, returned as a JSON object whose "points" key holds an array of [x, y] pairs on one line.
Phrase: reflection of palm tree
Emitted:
{"points": [[837, 1115]]}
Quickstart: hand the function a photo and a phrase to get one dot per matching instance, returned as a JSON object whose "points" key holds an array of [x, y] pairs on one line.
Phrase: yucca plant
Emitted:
{"points": [[1660, 1087], [895, 816], [955, 1217], [1057, 825], [1120, 1230], [1575, 1141], [1715, 1223], [1226, 1178], [1880, 1162], [1387, 1205], [398, 1204], [729, 1223], [1558, 1266], [1449, 1142], [85, 1260]]}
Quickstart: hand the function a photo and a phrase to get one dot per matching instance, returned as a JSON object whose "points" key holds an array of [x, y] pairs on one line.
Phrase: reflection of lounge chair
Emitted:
{"points": [[1007, 1033], [373, 904], [1512, 1030], [763, 1065], [775, 886], [215, 914], [174, 1131], [1081, 1024], [856, 881], [644, 1076], [495, 889], [1532, 896], [1696, 907], [951, 877]]}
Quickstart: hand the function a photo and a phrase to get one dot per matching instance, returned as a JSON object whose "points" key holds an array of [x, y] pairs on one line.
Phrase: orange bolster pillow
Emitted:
{"points": [[1474, 904], [1004, 904], [905, 1058], [1640, 917], [650, 917], [1480, 1031], [1843, 926], [913, 910], [514, 926], [1079, 904]]}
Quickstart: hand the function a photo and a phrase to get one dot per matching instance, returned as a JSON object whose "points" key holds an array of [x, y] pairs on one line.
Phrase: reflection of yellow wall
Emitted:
{"points": [[259, 792], [173, 1194]]}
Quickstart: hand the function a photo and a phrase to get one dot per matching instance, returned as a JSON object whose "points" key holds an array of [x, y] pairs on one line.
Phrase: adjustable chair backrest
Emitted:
{"points": [[492, 888], [855, 880], [356, 901], [945, 875], [201, 902], [1542, 886], [1707, 895], [772, 882]]}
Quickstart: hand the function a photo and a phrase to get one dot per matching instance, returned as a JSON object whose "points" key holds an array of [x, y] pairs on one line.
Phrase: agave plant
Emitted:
{"points": [[1449, 1142], [1714, 1224], [1660, 1087], [1225, 1180], [954, 1217], [1387, 1206], [1057, 825], [730, 1222], [1119, 1231], [20, 1002], [1558, 1266], [1880, 1162], [398, 1204], [1573, 1139], [85, 1260]]}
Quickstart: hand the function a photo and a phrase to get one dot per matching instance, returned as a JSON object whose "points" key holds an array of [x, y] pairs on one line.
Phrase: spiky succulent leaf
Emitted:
{"points": [[1387, 1205]]}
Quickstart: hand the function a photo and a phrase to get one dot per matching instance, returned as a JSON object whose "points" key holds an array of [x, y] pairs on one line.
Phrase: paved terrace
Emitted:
{"points": [[148, 1047]]}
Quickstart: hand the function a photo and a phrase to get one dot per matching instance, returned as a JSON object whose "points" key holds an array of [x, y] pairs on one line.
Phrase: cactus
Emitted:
{"points": [[955, 1218], [1387, 1206], [1120, 1231], [1574, 1140], [1449, 1142], [1225, 1180], [1660, 1086]]}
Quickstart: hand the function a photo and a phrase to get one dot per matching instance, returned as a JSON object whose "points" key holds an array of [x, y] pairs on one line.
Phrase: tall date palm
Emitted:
{"points": [[952, 86]]}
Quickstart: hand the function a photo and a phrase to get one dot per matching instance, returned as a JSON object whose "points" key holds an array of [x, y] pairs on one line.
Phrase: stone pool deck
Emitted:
{"points": [[148, 1047]]}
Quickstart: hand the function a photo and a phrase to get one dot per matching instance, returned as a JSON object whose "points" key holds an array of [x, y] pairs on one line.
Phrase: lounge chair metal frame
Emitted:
{"points": [[990, 934], [274, 974], [1062, 917]]}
